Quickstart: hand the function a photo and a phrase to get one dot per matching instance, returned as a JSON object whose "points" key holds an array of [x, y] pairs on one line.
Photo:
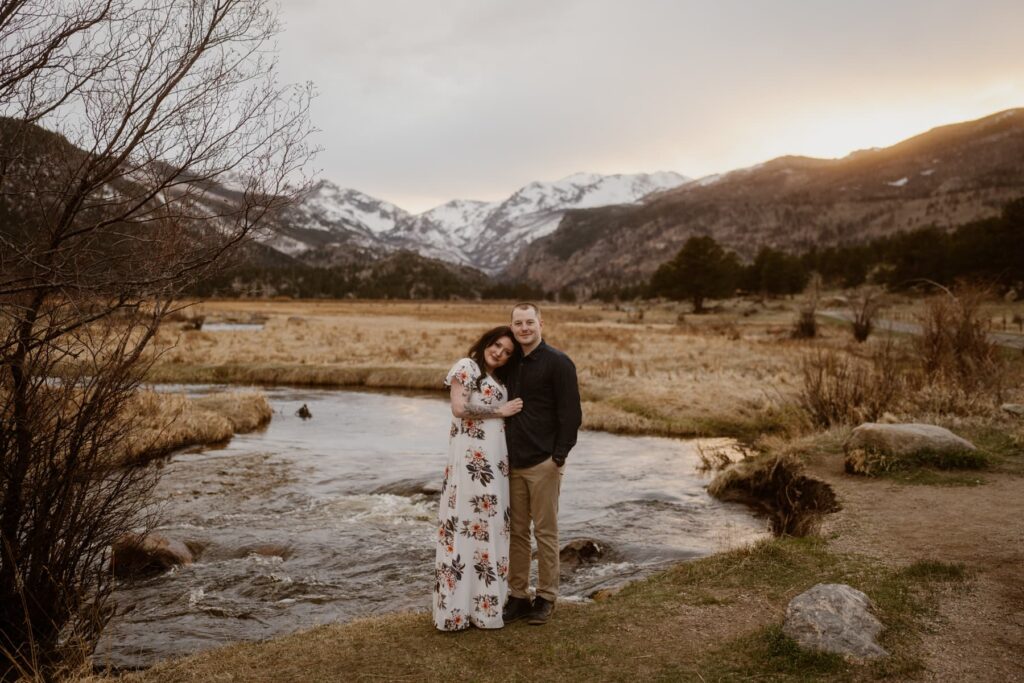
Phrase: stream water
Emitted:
{"points": [[311, 522]]}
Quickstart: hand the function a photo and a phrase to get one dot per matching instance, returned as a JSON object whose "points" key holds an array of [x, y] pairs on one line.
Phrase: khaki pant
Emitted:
{"points": [[533, 495]]}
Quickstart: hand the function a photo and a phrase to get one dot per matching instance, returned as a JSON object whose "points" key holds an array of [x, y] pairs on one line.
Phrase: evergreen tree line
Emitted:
{"points": [[402, 276], [990, 251]]}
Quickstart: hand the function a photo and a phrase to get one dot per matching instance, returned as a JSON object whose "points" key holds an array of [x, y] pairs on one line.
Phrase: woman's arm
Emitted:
{"points": [[460, 405]]}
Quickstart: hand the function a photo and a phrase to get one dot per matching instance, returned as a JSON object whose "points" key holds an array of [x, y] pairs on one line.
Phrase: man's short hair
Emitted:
{"points": [[523, 305]]}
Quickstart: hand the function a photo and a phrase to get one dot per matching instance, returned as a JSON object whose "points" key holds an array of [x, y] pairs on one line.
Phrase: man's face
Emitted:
{"points": [[526, 326]]}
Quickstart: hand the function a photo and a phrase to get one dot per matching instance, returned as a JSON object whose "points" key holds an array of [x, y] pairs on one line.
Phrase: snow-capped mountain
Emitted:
{"points": [[445, 231], [536, 210], [486, 235]]}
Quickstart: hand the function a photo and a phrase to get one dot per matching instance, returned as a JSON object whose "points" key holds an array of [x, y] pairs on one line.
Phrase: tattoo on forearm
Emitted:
{"points": [[481, 413], [476, 413]]}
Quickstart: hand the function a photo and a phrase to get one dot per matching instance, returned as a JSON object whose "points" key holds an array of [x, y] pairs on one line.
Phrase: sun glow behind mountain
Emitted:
{"points": [[831, 131]]}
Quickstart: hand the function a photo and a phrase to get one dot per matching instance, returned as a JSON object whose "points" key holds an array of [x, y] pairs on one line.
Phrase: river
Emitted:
{"points": [[297, 531]]}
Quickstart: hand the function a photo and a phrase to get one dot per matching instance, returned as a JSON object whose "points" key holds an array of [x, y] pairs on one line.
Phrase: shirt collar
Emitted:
{"points": [[543, 346]]}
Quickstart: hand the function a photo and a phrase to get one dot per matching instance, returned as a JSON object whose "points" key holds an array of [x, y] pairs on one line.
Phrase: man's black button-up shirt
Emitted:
{"points": [[551, 416]]}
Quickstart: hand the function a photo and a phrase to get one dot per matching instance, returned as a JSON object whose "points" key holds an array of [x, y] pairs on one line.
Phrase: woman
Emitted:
{"points": [[471, 565]]}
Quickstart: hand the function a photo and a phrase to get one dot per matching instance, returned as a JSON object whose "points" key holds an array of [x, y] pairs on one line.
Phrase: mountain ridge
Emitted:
{"points": [[947, 176], [484, 235]]}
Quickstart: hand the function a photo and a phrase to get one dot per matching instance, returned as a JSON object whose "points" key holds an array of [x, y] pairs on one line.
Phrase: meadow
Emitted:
{"points": [[935, 547], [652, 369]]}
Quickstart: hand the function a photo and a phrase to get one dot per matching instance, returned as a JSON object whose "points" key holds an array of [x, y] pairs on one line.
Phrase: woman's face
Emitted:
{"points": [[498, 353]]}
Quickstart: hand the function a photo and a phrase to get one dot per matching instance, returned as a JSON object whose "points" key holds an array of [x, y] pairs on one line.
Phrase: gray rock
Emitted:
{"points": [[134, 554], [906, 439], [1014, 408], [410, 487], [833, 617]]}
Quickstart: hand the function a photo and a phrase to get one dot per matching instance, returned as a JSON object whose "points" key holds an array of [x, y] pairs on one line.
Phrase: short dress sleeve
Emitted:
{"points": [[466, 370]]}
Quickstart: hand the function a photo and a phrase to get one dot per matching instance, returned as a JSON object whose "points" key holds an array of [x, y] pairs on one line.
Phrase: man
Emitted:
{"points": [[539, 439]]}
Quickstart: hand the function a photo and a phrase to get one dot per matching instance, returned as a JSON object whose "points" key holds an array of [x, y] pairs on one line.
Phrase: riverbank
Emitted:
{"points": [[939, 562], [160, 423]]}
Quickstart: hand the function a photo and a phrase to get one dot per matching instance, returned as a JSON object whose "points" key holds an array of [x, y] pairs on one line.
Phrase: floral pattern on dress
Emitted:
{"points": [[486, 503], [476, 528], [473, 497], [472, 429], [456, 622], [486, 604], [478, 466], [446, 534], [482, 566]]}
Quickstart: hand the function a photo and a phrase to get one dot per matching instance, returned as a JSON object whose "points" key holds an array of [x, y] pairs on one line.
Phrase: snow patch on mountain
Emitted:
{"points": [[485, 235]]}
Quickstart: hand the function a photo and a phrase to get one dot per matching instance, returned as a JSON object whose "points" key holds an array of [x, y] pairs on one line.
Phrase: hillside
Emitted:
{"points": [[945, 177]]}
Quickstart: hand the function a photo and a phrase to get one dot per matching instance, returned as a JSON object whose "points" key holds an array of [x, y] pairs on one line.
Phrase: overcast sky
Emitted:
{"points": [[421, 101]]}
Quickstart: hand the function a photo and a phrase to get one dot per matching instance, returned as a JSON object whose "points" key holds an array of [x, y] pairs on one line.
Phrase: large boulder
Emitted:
{"points": [[906, 439], [1014, 408], [874, 447], [836, 618], [134, 554]]}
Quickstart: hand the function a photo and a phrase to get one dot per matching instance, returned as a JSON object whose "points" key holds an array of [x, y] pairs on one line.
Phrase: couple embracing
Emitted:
{"points": [[516, 411]]}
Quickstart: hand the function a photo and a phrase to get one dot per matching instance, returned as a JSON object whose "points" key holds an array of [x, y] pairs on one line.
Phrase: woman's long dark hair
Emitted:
{"points": [[476, 352]]}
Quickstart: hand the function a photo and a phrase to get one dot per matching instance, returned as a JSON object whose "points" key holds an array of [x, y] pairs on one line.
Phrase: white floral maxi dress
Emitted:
{"points": [[471, 565]]}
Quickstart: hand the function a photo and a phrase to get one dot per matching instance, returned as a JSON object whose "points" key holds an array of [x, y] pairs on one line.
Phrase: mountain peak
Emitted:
{"points": [[483, 234]]}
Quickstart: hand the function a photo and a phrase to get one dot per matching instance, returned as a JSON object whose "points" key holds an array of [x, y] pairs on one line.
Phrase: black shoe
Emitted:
{"points": [[515, 609], [541, 612]]}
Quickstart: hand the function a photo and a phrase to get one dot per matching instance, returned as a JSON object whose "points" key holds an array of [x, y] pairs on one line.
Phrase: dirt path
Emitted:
{"points": [[978, 634]]}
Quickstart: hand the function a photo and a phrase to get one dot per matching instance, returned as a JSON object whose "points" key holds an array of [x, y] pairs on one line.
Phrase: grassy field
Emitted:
{"points": [[655, 370], [716, 619], [660, 370]]}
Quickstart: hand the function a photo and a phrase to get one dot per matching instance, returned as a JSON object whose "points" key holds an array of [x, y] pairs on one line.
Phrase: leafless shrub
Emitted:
{"points": [[841, 389], [954, 346], [108, 211], [806, 326], [864, 308]]}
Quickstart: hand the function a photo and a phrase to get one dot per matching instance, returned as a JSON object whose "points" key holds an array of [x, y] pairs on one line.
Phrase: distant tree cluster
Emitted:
{"points": [[404, 275], [990, 251]]}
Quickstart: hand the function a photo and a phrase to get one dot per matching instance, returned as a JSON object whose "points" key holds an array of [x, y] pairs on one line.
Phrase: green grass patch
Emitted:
{"points": [[934, 570], [713, 619], [902, 597], [1003, 451], [744, 428], [769, 654]]}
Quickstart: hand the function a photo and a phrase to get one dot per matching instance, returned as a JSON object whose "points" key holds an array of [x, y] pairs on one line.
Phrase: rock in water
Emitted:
{"points": [[578, 552], [142, 554], [410, 487], [833, 617], [906, 439]]}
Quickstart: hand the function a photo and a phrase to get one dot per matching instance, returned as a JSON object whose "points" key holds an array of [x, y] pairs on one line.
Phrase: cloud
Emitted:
{"points": [[423, 102]]}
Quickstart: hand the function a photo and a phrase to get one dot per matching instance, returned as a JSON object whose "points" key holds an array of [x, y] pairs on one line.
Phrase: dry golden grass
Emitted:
{"points": [[714, 374], [161, 423], [655, 369]]}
